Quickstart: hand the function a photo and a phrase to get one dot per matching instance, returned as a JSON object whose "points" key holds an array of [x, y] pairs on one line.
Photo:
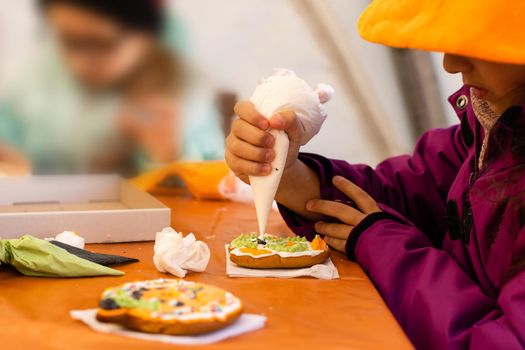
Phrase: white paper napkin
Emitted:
{"points": [[246, 323], [176, 254], [324, 271]]}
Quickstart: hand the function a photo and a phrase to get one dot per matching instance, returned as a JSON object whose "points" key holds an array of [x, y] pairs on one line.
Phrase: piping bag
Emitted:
{"points": [[283, 91], [37, 257]]}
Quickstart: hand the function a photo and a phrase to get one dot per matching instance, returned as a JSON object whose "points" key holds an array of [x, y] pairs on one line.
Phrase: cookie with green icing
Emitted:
{"points": [[169, 306], [248, 250]]}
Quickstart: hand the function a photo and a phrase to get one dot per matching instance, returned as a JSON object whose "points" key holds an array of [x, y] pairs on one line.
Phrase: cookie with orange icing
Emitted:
{"points": [[169, 306], [277, 252]]}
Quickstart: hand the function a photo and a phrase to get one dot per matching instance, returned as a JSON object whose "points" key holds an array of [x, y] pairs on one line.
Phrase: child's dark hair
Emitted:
{"points": [[145, 15]]}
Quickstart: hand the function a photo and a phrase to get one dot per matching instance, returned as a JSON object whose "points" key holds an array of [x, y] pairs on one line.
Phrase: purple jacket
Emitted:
{"points": [[448, 252]]}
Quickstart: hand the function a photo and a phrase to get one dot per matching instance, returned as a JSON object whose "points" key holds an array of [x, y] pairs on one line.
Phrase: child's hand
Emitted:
{"points": [[12, 162], [336, 234], [249, 147], [152, 122]]}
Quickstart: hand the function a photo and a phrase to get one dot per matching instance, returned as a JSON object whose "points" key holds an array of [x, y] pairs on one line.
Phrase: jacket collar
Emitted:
{"points": [[508, 134], [460, 101]]}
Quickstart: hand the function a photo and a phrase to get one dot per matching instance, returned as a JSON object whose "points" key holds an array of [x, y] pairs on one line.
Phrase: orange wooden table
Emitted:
{"points": [[302, 313]]}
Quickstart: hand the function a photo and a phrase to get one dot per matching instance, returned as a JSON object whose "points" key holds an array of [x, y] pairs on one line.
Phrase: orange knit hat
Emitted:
{"points": [[488, 29]]}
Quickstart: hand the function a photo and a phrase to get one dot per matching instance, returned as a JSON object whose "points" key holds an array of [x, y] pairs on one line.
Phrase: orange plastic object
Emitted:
{"points": [[303, 313], [489, 30], [201, 178]]}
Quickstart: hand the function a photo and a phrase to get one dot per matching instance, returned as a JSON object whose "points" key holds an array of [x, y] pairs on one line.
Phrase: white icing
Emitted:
{"points": [[70, 238], [309, 252], [264, 188]]}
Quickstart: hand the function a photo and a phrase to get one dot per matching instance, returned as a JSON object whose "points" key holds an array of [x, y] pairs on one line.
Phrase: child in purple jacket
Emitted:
{"points": [[441, 233]]}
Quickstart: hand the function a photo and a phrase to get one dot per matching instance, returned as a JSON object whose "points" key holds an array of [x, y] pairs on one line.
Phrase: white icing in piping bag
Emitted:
{"points": [[264, 188], [282, 91]]}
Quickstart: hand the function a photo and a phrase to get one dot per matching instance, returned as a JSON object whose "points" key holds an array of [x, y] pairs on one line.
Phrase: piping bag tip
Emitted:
{"points": [[263, 196]]}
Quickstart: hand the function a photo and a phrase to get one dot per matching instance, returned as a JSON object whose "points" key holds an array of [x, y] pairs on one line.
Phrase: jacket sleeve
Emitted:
{"points": [[416, 186], [434, 300]]}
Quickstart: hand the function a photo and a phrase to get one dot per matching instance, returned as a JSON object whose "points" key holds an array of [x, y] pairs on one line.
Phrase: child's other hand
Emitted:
{"points": [[12, 162], [249, 147], [336, 234], [152, 122]]}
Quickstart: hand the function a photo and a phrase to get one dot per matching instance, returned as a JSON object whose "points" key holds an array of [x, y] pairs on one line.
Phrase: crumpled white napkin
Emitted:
{"points": [[70, 238], [235, 190], [246, 323], [324, 271], [177, 255]]}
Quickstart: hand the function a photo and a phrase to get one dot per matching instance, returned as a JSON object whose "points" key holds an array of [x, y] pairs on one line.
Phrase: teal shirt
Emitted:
{"points": [[55, 123]]}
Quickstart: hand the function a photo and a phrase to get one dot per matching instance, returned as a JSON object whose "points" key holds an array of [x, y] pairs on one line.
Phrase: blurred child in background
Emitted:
{"points": [[107, 91]]}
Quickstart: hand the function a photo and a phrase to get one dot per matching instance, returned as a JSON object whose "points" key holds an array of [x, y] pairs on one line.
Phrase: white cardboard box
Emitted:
{"points": [[100, 208]]}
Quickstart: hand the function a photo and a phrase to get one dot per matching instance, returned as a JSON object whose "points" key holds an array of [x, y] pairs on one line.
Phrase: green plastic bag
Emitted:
{"points": [[36, 257]]}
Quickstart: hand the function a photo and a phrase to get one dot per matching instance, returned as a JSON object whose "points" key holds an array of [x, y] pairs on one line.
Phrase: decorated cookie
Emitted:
{"points": [[169, 306], [277, 252]]}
